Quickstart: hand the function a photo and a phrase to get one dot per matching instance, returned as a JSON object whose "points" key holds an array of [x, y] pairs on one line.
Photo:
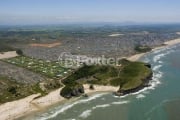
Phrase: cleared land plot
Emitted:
{"points": [[50, 45], [19, 74]]}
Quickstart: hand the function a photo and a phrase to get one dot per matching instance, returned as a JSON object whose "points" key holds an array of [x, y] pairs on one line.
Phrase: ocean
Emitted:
{"points": [[160, 101]]}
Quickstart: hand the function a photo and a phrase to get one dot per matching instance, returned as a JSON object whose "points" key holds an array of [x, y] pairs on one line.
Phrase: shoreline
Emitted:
{"points": [[136, 57], [19, 108]]}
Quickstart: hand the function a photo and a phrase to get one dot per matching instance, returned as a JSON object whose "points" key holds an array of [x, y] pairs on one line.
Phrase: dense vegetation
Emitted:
{"points": [[11, 90], [143, 49], [132, 75], [6, 48]]}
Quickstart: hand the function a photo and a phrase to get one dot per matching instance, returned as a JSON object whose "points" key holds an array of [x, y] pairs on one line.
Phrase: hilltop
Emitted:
{"points": [[130, 76]]}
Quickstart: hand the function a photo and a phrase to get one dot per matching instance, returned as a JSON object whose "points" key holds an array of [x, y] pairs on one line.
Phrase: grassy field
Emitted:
{"points": [[5, 48], [92, 74], [49, 69], [131, 75]]}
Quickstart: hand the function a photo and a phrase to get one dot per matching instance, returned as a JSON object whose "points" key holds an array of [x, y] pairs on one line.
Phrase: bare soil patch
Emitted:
{"points": [[47, 45]]}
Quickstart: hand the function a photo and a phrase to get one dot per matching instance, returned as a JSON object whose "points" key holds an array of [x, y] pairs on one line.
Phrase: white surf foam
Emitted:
{"points": [[92, 98], [164, 49], [102, 98], [158, 57], [160, 62], [85, 114], [157, 74], [64, 108], [70, 119], [155, 68], [158, 51], [88, 112], [155, 80], [101, 106], [120, 102], [140, 96]]}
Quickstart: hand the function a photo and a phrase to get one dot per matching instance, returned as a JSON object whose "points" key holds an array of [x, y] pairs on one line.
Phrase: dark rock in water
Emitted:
{"points": [[85, 95], [118, 93], [148, 65], [147, 85]]}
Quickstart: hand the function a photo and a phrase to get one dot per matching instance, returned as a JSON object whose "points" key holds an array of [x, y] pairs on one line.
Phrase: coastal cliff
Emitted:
{"points": [[144, 84]]}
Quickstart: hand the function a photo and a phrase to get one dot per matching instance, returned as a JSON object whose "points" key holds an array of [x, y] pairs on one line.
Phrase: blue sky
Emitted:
{"points": [[60, 11]]}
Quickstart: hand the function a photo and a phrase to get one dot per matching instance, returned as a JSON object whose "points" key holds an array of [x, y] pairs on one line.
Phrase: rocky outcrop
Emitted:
{"points": [[148, 65], [145, 83], [72, 91]]}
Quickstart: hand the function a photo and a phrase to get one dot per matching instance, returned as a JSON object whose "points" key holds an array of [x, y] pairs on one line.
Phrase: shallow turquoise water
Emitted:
{"points": [[161, 101]]}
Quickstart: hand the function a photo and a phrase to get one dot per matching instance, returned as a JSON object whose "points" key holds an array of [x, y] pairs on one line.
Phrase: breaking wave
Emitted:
{"points": [[120, 102], [85, 114], [88, 112], [140, 96], [101, 106], [64, 108]]}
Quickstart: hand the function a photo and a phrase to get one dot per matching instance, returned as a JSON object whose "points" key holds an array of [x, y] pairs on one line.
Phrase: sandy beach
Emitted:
{"points": [[15, 109], [166, 44], [18, 108], [99, 88], [9, 54]]}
